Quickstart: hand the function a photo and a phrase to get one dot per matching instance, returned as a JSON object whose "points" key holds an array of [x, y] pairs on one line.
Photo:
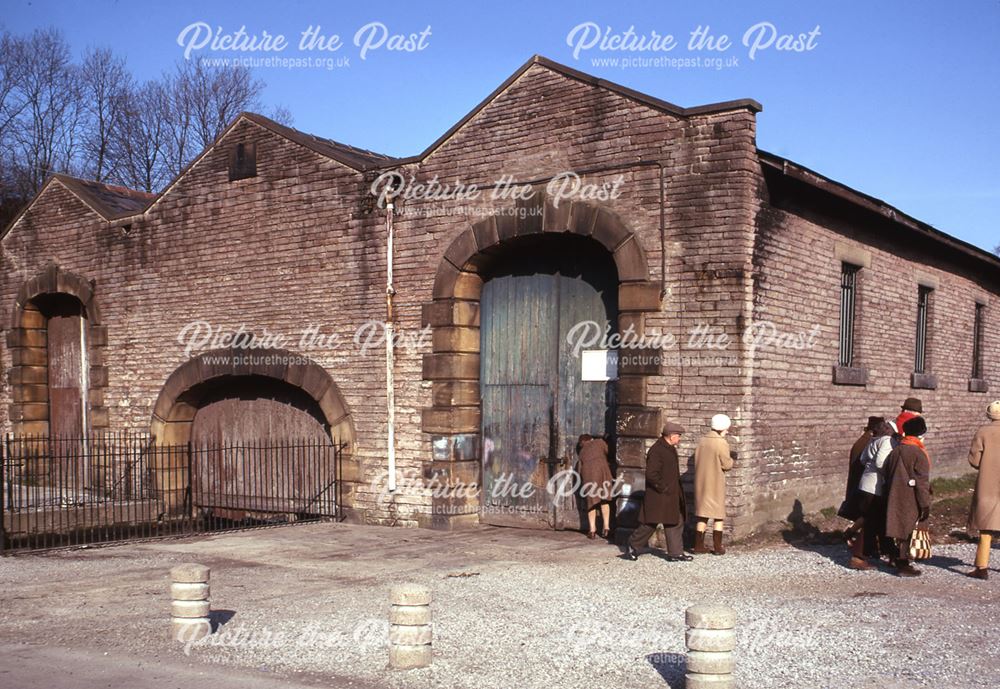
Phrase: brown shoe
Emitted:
{"points": [[979, 573], [859, 563], [591, 535], [699, 544], [717, 543], [905, 569]]}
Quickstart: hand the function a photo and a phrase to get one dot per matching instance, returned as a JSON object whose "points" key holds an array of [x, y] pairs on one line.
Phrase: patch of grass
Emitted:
{"points": [[958, 503], [950, 486], [829, 512]]}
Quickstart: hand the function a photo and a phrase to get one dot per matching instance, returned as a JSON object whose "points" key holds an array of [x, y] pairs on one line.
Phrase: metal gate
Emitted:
{"points": [[59, 492]]}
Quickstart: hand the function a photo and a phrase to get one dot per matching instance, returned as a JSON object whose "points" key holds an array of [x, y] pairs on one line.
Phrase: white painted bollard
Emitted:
{"points": [[410, 630], [710, 639], [189, 607]]}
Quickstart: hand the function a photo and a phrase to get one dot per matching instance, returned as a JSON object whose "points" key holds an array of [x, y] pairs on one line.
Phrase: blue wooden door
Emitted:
{"points": [[534, 402]]}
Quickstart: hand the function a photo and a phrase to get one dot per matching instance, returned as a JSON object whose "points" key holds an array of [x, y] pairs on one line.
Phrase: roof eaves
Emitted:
{"points": [[814, 179]]}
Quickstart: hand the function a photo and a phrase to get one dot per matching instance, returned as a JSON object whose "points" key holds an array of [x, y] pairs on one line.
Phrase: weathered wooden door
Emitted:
{"points": [[534, 402], [67, 390], [260, 448], [66, 371]]}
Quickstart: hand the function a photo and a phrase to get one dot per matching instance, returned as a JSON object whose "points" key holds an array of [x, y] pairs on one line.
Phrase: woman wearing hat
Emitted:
{"points": [[868, 539], [985, 513], [908, 500], [712, 459], [911, 408]]}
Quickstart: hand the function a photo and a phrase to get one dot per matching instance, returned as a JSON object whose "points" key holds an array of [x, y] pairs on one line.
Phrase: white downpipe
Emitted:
{"points": [[390, 394]]}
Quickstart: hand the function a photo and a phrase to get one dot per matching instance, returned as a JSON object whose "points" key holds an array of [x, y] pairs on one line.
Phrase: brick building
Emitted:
{"points": [[682, 228]]}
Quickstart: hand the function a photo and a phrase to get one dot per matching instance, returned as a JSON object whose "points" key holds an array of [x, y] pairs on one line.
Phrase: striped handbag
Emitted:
{"points": [[920, 544]]}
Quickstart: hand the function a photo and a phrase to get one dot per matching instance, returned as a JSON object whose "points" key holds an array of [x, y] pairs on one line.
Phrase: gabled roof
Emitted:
{"points": [[352, 156], [109, 200], [114, 203], [655, 103]]}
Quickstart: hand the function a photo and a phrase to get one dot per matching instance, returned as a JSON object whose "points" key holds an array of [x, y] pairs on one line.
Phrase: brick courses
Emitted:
{"points": [[291, 248]]}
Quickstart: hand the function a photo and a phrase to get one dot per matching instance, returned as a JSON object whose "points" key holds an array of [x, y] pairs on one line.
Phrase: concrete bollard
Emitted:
{"points": [[189, 606], [710, 639], [410, 630]]}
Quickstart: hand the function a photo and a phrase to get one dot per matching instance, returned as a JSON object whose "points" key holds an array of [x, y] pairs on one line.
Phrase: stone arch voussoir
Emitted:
{"points": [[173, 412]]}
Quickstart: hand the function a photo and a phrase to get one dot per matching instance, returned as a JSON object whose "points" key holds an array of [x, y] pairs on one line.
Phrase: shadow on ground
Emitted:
{"points": [[670, 666], [219, 618]]}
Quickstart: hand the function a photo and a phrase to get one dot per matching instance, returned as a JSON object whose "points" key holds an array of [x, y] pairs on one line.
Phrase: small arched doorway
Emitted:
{"points": [[66, 364], [539, 294], [260, 432]]}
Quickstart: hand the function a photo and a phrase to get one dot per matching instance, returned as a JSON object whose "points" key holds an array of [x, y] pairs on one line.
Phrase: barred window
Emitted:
{"points": [[923, 313], [977, 342], [848, 307]]}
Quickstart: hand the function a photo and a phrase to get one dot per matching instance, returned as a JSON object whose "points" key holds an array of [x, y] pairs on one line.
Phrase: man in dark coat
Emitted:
{"points": [[907, 480], [664, 501]]}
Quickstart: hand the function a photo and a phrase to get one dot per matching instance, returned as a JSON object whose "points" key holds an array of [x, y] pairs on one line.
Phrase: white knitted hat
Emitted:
{"points": [[993, 411], [721, 422]]}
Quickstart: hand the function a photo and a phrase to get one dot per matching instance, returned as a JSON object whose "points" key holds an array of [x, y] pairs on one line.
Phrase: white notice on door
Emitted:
{"points": [[599, 364]]}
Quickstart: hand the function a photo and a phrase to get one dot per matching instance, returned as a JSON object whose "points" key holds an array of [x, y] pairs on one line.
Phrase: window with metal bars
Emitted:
{"points": [[977, 342], [848, 309], [923, 314]]}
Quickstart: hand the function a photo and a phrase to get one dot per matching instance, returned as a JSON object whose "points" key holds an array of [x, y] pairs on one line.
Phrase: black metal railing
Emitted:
{"points": [[116, 486]]}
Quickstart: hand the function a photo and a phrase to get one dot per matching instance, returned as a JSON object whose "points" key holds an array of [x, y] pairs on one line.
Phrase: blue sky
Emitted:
{"points": [[897, 99]]}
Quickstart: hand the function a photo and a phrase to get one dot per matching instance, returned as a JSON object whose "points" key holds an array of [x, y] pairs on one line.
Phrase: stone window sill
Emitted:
{"points": [[923, 381], [978, 385], [850, 375]]}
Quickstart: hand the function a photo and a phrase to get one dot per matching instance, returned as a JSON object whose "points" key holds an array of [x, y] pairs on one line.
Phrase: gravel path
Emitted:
{"points": [[515, 608]]}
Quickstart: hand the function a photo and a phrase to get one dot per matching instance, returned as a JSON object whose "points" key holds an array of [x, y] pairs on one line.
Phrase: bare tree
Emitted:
{"points": [[93, 120], [281, 115], [45, 137], [140, 144], [996, 249], [203, 101], [105, 85], [12, 104], [12, 64]]}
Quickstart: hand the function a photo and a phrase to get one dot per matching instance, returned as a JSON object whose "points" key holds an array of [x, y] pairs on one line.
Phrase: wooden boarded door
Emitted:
{"points": [[67, 383], [261, 448], [534, 403]]}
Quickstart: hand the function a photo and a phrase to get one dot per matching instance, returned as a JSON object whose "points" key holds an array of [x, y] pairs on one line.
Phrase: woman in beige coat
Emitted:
{"points": [[985, 513], [711, 460]]}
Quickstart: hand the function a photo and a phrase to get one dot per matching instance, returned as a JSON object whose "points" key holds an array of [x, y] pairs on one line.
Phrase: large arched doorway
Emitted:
{"points": [[454, 422], [537, 398]]}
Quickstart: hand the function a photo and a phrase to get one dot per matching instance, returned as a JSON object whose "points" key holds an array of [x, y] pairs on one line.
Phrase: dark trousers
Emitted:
{"points": [[675, 537], [873, 532]]}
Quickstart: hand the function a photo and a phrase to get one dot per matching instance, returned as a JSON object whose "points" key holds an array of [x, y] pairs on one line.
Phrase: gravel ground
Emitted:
{"points": [[515, 608]]}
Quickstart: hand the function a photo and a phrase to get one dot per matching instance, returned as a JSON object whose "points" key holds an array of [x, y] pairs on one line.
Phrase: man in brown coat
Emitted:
{"points": [[712, 459], [664, 500], [908, 482], [984, 516]]}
